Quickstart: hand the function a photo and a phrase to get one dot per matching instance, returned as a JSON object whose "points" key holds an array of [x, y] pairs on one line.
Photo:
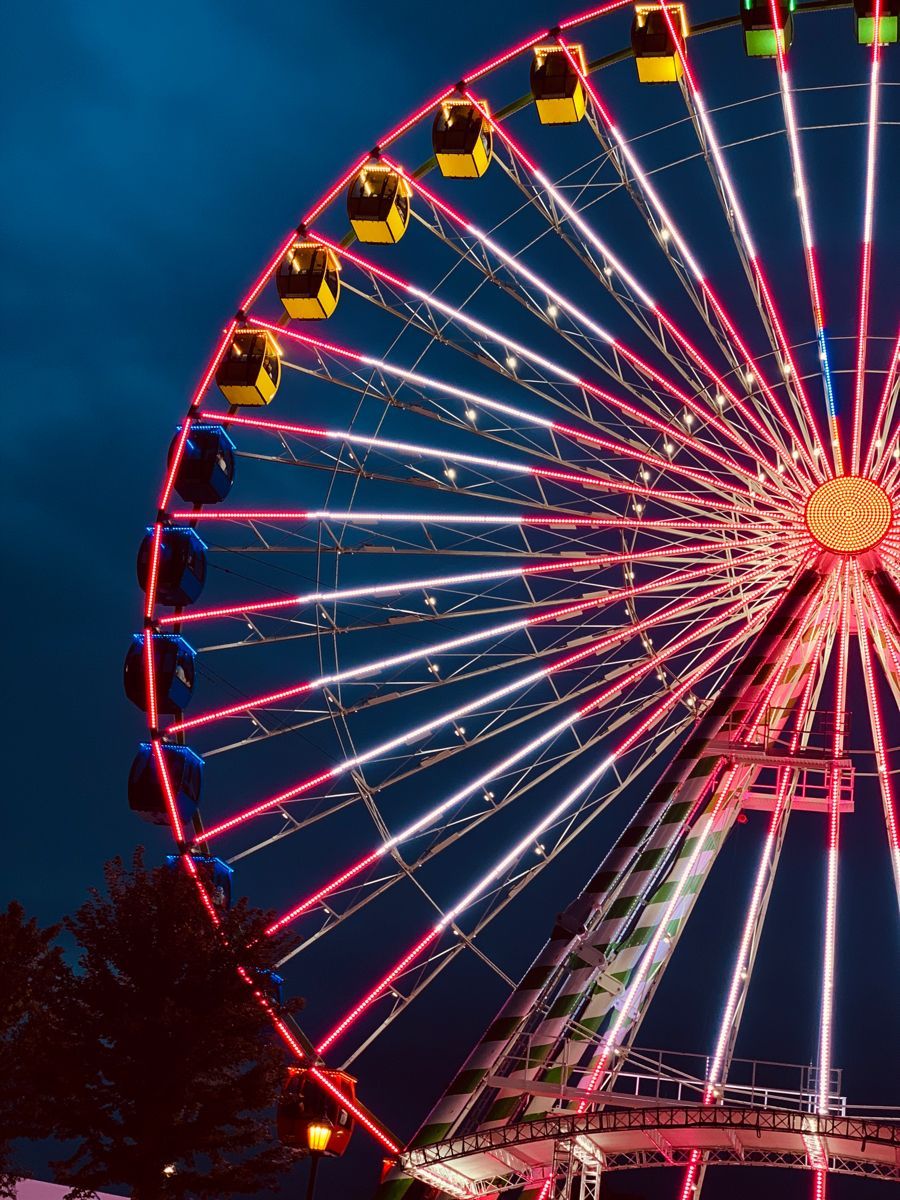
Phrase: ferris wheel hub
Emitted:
{"points": [[849, 514]]}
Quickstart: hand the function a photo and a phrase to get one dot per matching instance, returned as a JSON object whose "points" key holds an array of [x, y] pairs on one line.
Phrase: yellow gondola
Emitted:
{"points": [[462, 139], [308, 281], [655, 49], [378, 204], [556, 85], [250, 372]]}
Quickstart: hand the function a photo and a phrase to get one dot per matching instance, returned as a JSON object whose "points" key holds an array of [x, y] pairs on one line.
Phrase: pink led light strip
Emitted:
{"points": [[360, 1114], [741, 222], [742, 962], [667, 222], [865, 270], [376, 666], [499, 768], [882, 763], [626, 1006], [705, 414], [882, 623], [647, 457], [596, 481], [492, 64], [524, 352], [371, 591], [889, 441], [831, 884], [509, 859], [809, 247], [670, 431], [360, 516], [569, 660], [365, 1119]]}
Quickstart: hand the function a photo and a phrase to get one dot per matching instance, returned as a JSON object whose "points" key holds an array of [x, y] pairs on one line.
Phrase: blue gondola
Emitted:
{"points": [[173, 663], [182, 565], [206, 471], [272, 986], [217, 875], [146, 796]]}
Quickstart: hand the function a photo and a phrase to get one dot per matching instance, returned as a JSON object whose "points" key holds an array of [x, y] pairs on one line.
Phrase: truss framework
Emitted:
{"points": [[623, 1139]]}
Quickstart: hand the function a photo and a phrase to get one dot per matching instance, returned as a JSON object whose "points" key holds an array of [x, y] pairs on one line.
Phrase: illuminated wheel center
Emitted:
{"points": [[848, 515]]}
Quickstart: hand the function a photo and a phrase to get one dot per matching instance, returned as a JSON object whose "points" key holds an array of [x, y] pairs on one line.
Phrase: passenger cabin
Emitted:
{"points": [[173, 670], [206, 471], [271, 984], [656, 50], [181, 565], [304, 1102], [378, 204], [308, 281], [462, 139], [864, 13], [146, 794], [250, 371], [216, 875], [556, 85], [761, 37]]}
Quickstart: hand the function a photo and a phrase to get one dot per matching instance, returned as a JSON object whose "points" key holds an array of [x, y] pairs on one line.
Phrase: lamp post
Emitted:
{"points": [[318, 1135]]}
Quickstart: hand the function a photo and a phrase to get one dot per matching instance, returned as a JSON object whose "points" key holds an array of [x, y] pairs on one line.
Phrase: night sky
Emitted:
{"points": [[153, 156]]}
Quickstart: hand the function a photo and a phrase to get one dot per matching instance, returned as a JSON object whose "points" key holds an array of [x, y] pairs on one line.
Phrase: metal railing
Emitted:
{"points": [[682, 1078], [643, 1077]]}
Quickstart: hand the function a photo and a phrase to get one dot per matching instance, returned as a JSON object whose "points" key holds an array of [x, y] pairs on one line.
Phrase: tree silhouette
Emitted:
{"points": [[32, 978], [168, 1069]]}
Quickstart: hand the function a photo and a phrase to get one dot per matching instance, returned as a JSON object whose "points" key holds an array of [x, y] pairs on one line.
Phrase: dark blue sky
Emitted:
{"points": [[152, 158]]}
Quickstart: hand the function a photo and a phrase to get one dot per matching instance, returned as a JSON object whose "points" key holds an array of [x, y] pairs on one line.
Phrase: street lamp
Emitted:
{"points": [[318, 1135]]}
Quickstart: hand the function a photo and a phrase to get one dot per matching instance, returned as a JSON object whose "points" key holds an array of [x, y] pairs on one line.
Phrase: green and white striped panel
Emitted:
{"points": [[549, 1054], [625, 957], [541, 980], [618, 870], [890, 603]]}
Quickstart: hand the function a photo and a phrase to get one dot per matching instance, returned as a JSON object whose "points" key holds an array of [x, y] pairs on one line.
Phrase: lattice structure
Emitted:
{"points": [[650, 1137]]}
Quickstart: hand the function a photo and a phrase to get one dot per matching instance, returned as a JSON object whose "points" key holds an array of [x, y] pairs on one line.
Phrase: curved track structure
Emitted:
{"points": [[530, 491]]}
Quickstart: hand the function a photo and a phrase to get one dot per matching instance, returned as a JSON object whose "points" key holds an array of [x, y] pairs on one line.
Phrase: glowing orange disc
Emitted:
{"points": [[848, 515]]}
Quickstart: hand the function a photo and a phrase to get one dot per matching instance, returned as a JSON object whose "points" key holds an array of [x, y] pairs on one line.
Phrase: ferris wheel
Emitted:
{"points": [[547, 480]]}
